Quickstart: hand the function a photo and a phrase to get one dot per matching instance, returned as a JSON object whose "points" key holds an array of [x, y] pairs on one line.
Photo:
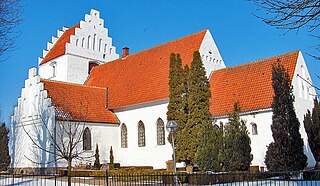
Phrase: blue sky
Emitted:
{"points": [[139, 24]]}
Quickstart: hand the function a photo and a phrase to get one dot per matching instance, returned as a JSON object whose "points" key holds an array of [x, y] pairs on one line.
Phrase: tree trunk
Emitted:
{"points": [[69, 172]]}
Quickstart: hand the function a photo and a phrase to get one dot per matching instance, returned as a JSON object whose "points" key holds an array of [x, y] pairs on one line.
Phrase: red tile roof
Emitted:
{"points": [[143, 76], [82, 103], [250, 84], [60, 47]]}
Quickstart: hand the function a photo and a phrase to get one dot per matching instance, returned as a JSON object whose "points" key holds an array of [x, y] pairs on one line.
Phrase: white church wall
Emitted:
{"points": [[103, 134], [259, 142], [210, 55], [55, 69], [90, 43], [304, 94], [151, 154], [31, 113]]}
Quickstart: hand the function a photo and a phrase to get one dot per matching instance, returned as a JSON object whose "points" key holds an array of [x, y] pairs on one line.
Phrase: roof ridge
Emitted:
{"points": [[152, 48], [258, 61], [68, 83], [184, 37]]}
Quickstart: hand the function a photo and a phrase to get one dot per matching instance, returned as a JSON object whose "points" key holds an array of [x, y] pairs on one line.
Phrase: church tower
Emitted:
{"points": [[72, 54]]}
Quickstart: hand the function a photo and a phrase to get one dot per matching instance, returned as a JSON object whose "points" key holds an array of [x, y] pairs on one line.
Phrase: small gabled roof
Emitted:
{"points": [[60, 46], [143, 77], [249, 84], [80, 102]]}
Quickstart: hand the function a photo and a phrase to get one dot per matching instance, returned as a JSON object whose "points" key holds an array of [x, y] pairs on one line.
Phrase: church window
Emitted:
{"points": [[100, 45], [160, 132], [83, 42], [141, 135], [87, 139], [89, 42], [77, 42], [124, 136], [105, 48], [254, 129], [54, 68], [54, 71], [94, 42], [111, 50]]}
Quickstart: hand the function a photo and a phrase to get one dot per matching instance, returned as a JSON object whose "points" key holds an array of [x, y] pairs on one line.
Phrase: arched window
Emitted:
{"points": [[77, 42], [141, 135], [83, 43], [89, 42], [105, 48], [160, 132], [254, 129], [87, 139], [54, 68], [94, 42], [111, 50], [100, 45], [124, 136]]}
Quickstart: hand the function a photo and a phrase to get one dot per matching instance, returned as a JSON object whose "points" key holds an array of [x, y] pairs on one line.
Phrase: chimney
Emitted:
{"points": [[125, 52]]}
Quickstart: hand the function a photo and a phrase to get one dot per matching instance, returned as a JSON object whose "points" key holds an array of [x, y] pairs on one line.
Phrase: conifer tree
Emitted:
{"points": [[4, 149], [285, 153], [176, 107], [97, 164], [111, 158], [312, 126], [198, 106], [210, 141], [237, 150]]}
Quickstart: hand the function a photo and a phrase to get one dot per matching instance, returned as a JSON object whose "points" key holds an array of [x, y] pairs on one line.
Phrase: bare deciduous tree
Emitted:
{"points": [[10, 18], [291, 15], [61, 138]]}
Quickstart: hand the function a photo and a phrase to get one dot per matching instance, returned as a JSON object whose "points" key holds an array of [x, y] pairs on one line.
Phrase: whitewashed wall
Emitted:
{"points": [[304, 95], [259, 142], [152, 154], [31, 113], [90, 43], [103, 134], [210, 54]]}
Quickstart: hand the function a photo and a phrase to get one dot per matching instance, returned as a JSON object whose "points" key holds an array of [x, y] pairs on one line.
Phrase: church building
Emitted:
{"points": [[121, 101]]}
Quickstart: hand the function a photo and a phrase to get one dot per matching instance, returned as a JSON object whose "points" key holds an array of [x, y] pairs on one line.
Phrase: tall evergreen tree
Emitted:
{"points": [[177, 105], [4, 149], [210, 141], [312, 126], [97, 164], [198, 106], [285, 153], [237, 150]]}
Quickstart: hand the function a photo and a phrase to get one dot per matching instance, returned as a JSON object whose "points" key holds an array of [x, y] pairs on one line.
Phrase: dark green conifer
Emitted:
{"points": [[176, 106], [4, 149], [198, 96], [210, 141], [312, 126], [97, 164], [237, 150], [285, 153]]}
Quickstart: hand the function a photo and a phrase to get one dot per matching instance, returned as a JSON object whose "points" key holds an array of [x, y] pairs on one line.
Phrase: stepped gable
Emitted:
{"points": [[250, 84], [143, 77], [82, 103], [60, 46]]}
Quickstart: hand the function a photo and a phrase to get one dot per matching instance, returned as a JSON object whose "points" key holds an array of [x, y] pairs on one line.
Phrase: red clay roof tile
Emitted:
{"points": [[82, 102], [60, 47], [143, 76], [249, 84]]}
